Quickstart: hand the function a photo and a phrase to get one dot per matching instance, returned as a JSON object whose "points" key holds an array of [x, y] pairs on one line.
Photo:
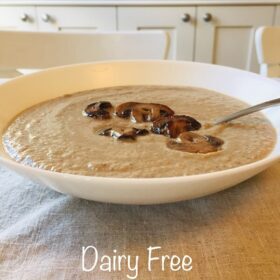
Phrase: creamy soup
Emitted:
{"points": [[62, 135]]}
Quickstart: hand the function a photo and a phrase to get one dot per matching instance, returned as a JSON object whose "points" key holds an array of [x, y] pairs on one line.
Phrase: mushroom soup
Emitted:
{"points": [[138, 131]]}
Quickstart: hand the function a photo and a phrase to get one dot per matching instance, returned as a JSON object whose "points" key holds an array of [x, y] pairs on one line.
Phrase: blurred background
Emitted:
{"points": [[220, 32]]}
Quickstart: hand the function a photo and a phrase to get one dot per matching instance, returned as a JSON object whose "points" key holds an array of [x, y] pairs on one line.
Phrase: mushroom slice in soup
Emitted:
{"points": [[194, 143], [98, 110], [143, 112], [173, 126], [124, 133]]}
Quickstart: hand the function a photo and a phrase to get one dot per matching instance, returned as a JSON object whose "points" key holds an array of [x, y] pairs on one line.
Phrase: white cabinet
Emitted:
{"points": [[277, 16], [213, 34], [179, 22], [76, 18], [18, 18], [225, 35]]}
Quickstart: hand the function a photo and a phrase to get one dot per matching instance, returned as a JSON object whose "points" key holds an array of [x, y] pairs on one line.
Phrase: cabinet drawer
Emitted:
{"points": [[76, 18], [178, 22], [18, 18]]}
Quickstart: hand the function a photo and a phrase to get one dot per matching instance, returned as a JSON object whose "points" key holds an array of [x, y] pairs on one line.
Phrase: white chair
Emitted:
{"points": [[268, 50], [43, 49]]}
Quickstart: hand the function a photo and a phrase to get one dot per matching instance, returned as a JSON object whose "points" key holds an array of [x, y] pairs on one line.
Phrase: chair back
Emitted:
{"points": [[268, 50], [48, 49]]}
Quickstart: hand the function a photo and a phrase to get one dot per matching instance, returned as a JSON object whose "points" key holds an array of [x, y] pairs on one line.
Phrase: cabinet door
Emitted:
{"points": [[225, 35], [18, 18], [170, 19], [76, 18]]}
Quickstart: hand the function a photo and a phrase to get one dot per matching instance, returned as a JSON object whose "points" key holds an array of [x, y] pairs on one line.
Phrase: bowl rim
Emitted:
{"points": [[269, 159]]}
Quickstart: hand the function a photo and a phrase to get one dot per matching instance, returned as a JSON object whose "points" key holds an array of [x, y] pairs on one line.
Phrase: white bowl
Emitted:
{"points": [[21, 93]]}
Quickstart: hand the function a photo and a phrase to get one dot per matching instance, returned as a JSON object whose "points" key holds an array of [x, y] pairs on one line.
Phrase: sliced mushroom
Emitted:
{"points": [[124, 110], [174, 125], [141, 131], [124, 133], [98, 110], [194, 143], [142, 112]]}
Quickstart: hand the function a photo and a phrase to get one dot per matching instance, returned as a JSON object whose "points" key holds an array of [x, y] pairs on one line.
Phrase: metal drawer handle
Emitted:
{"points": [[45, 17], [207, 17], [24, 17], [186, 17]]}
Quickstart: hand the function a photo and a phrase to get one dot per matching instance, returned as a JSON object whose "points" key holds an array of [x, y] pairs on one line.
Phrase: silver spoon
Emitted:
{"points": [[247, 111]]}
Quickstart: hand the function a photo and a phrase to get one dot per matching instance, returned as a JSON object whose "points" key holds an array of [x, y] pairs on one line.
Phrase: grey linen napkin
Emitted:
{"points": [[42, 232], [228, 234]]}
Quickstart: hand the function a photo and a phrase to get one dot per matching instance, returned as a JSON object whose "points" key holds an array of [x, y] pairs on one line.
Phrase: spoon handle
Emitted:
{"points": [[248, 111]]}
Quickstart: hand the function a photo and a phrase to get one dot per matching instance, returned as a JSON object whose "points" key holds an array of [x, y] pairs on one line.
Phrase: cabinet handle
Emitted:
{"points": [[45, 17], [186, 18], [24, 17], [207, 17]]}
